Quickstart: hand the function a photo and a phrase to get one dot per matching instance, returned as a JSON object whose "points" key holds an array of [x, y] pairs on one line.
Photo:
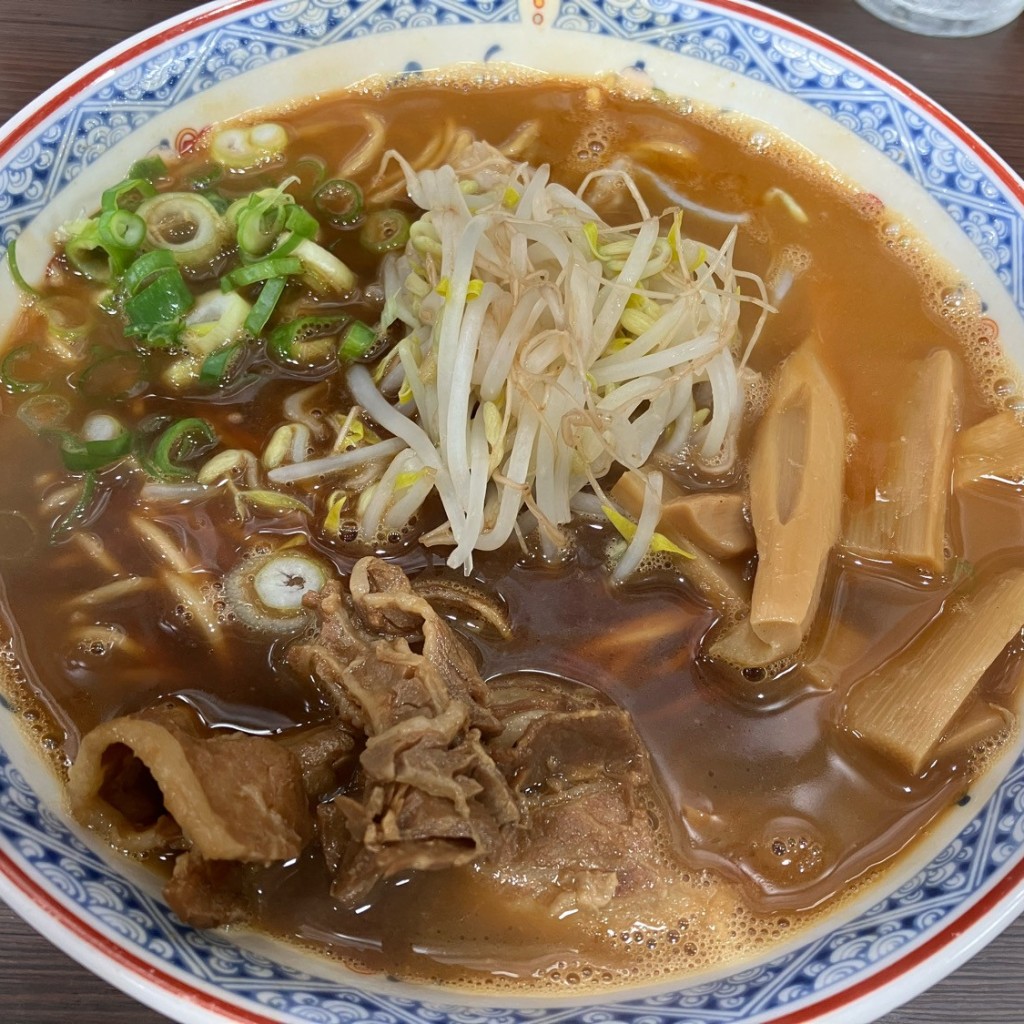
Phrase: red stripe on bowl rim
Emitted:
{"points": [[153, 976]]}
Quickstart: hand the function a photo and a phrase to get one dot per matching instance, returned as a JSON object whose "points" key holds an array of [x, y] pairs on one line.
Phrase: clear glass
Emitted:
{"points": [[946, 17]]}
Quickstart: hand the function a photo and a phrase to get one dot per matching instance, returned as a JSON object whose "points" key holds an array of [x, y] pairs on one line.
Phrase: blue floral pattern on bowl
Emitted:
{"points": [[51, 156]]}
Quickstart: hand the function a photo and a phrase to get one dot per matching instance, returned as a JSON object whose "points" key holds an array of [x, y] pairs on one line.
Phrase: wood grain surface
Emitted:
{"points": [[979, 80]]}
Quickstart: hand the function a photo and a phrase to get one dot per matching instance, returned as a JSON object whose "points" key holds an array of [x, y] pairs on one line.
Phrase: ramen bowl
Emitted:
{"points": [[959, 885]]}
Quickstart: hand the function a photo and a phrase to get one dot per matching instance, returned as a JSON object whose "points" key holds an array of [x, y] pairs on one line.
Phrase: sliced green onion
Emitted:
{"points": [[384, 230], [244, 148], [163, 336], [83, 250], [41, 413], [161, 301], [259, 219], [274, 582], [85, 456], [68, 522], [340, 201], [265, 591], [101, 426], [146, 431], [317, 171], [115, 375], [265, 305], [182, 373], [219, 366], [301, 222], [12, 266], [217, 320], [67, 343], [145, 269], [121, 229], [9, 377], [357, 340], [150, 168], [322, 271], [93, 252], [127, 195], [180, 443], [289, 242], [186, 224], [257, 230], [308, 341], [265, 270], [205, 178], [68, 318], [299, 226], [268, 136], [217, 201]]}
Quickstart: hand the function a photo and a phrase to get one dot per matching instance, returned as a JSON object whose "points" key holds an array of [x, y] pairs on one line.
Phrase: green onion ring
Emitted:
{"points": [[384, 230], [14, 384], [179, 443], [340, 201]]}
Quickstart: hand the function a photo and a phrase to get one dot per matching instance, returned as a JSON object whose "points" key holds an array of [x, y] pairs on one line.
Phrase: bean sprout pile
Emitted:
{"points": [[542, 346]]}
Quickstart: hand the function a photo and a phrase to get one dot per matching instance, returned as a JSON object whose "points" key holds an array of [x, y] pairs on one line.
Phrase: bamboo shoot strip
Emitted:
{"points": [[983, 723], [840, 647], [905, 707], [712, 519], [721, 586], [994, 447], [739, 645], [907, 520], [796, 490]]}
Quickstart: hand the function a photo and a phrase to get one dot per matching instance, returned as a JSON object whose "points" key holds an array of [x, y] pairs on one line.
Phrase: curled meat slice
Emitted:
{"points": [[588, 798], [326, 756], [427, 794], [387, 604], [381, 594], [152, 785], [211, 893]]}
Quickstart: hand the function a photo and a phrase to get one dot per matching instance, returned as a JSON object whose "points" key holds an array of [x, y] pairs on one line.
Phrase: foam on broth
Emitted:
{"points": [[752, 768]]}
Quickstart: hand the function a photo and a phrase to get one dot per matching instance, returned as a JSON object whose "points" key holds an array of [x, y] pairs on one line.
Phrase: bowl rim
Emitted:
{"points": [[971, 925], [874, 995]]}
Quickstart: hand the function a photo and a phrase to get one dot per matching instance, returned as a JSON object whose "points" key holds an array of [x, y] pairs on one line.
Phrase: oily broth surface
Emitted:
{"points": [[735, 755]]}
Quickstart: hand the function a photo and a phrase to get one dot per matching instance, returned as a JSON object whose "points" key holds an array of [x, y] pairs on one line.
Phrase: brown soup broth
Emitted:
{"points": [[771, 807]]}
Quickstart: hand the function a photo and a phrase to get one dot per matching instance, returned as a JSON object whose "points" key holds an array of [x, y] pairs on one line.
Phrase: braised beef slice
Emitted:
{"points": [[543, 781], [155, 783], [326, 754], [386, 603], [232, 796], [587, 793], [564, 748], [210, 893], [398, 828], [385, 616], [427, 795]]}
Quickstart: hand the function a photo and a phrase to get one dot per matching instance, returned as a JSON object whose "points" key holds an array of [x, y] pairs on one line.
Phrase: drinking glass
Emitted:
{"points": [[946, 17]]}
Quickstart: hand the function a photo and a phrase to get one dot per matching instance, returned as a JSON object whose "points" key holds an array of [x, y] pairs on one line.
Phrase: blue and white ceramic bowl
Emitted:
{"points": [[155, 92]]}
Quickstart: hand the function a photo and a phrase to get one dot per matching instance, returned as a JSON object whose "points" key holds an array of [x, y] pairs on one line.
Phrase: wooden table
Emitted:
{"points": [[979, 80]]}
